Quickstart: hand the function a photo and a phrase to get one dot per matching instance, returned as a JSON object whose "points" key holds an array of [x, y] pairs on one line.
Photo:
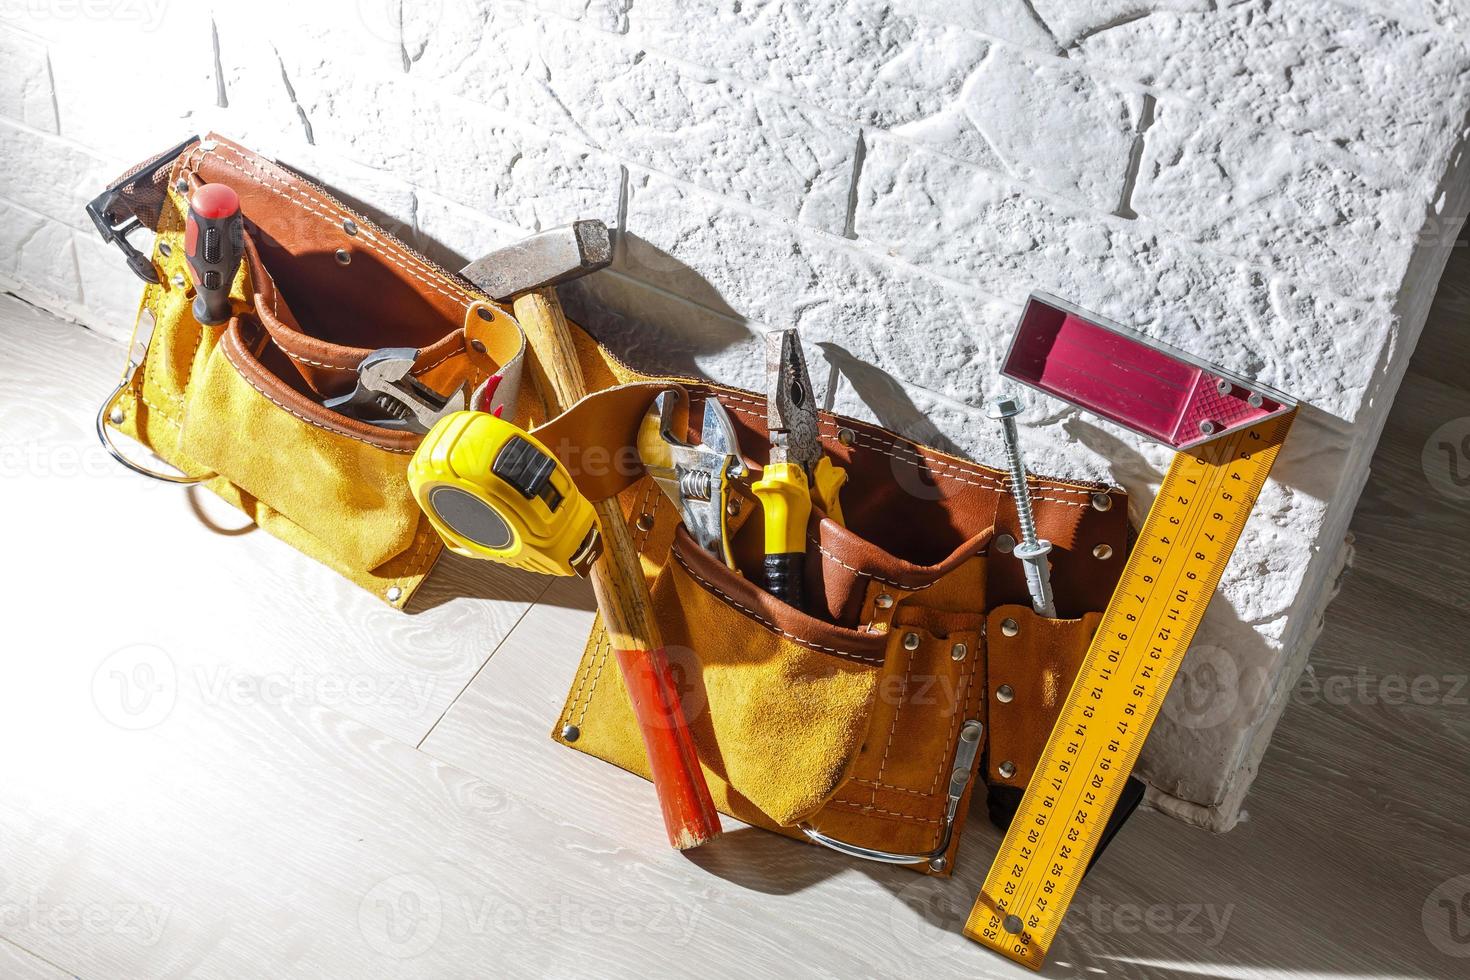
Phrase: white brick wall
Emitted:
{"points": [[1271, 185]]}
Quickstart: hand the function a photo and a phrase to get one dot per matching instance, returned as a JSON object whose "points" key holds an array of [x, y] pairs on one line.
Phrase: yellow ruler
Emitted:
{"points": [[1171, 574]]}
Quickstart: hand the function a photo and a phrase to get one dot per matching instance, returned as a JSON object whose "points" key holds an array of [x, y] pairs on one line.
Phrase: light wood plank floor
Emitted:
{"points": [[221, 760]]}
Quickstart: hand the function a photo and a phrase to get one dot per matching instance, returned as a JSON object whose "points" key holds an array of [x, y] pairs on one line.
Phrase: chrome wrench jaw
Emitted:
{"points": [[696, 477], [389, 396]]}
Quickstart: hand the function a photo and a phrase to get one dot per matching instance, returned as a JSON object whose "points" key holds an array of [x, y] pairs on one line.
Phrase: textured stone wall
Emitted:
{"points": [[1270, 185]]}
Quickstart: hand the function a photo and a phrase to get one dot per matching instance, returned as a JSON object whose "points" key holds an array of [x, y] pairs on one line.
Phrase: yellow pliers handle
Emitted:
{"points": [[827, 484]]}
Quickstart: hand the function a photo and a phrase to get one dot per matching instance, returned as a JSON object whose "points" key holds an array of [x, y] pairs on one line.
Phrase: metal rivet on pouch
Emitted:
{"points": [[394, 593], [733, 507], [116, 416], [645, 522], [483, 312], [349, 226], [165, 249], [1007, 769], [571, 733], [1005, 694], [1005, 544], [846, 436], [1101, 501], [344, 257], [1103, 551], [911, 641], [1009, 627], [179, 281], [884, 601], [938, 864], [181, 185], [958, 651]]}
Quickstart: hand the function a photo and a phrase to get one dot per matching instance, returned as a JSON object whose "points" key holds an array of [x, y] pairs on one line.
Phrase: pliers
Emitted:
{"points": [[797, 473]]}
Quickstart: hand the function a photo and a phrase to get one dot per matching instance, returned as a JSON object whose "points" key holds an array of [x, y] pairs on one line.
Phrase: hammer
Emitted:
{"points": [[525, 274]]}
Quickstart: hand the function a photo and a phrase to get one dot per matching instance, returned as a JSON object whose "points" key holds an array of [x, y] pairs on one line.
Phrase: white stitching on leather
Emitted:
{"points": [[989, 482], [309, 421], [876, 578], [849, 654], [365, 234]]}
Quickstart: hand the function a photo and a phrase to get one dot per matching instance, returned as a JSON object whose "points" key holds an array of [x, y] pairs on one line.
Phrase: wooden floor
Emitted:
{"points": [[220, 760]]}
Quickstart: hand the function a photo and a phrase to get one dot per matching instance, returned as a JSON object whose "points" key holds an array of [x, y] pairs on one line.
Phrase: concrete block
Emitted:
{"points": [[743, 142], [51, 176], [964, 224], [1252, 193], [36, 253], [1388, 93], [742, 264], [26, 93]]}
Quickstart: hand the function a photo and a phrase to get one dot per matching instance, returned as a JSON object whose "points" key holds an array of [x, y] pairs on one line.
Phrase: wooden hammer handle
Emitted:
{"points": [[627, 610]]}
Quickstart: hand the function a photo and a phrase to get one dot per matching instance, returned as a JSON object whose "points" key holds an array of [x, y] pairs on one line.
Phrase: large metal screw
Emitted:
{"points": [[1031, 550]]}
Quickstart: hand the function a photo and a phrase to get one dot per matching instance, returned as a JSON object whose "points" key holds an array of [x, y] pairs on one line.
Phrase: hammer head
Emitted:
{"points": [[544, 260]]}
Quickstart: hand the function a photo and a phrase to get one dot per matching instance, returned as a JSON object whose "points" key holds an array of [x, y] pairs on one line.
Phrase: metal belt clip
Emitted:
{"points": [[115, 218]]}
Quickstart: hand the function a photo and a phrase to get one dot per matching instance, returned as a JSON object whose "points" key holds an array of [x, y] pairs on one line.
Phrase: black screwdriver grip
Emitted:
{"points": [[785, 575]]}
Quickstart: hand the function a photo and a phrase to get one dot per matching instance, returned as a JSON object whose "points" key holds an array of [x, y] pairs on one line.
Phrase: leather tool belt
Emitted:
{"points": [[864, 723]]}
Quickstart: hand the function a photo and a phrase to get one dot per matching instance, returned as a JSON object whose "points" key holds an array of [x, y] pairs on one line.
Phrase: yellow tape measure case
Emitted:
{"points": [[492, 490]]}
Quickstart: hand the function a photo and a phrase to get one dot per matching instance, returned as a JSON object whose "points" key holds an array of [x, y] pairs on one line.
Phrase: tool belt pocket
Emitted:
{"points": [[768, 691], [861, 722], [344, 490], [246, 407]]}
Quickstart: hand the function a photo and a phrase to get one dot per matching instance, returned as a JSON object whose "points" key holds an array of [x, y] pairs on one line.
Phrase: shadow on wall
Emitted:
{"points": [[657, 332]]}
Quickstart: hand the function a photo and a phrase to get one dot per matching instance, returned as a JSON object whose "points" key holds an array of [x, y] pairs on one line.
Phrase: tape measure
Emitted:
{"points": [[1171, 574], [492, 490]]}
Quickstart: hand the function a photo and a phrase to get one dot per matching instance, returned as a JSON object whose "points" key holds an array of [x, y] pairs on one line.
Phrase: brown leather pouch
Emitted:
{"points": [[845, 723], [239, 407]]}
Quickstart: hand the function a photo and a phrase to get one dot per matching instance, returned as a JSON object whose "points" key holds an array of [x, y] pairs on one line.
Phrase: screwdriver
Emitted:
{"points": [[214, 244]]}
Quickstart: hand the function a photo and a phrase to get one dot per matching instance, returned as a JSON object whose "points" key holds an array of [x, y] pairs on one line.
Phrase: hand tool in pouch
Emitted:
{"points": [[525, 274], [695, 477], [797, 469], [1227, 431], [214, 245], [389, 396], [492, 490]]}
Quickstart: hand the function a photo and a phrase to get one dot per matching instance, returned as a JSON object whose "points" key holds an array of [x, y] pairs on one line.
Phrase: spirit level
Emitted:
{"points": [[1171, 574]]}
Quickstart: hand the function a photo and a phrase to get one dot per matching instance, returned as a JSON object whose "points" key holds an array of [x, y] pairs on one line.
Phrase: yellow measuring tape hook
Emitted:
{"points": [[1171, 574]]}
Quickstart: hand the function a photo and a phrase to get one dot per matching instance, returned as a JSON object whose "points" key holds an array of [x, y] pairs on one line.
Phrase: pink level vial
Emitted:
{"points": [[1122, 376]]}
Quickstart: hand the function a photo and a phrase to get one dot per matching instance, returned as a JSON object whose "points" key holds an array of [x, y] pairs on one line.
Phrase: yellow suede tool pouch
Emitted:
{"points": [[865, 721], [239, 407]]}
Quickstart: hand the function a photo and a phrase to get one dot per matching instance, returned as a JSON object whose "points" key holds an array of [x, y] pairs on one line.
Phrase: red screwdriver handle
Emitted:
{"points": [[214, 244]]}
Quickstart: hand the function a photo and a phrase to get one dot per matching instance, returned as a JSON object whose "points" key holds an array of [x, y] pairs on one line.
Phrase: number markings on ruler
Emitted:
{"points": [[1186, 542]]}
